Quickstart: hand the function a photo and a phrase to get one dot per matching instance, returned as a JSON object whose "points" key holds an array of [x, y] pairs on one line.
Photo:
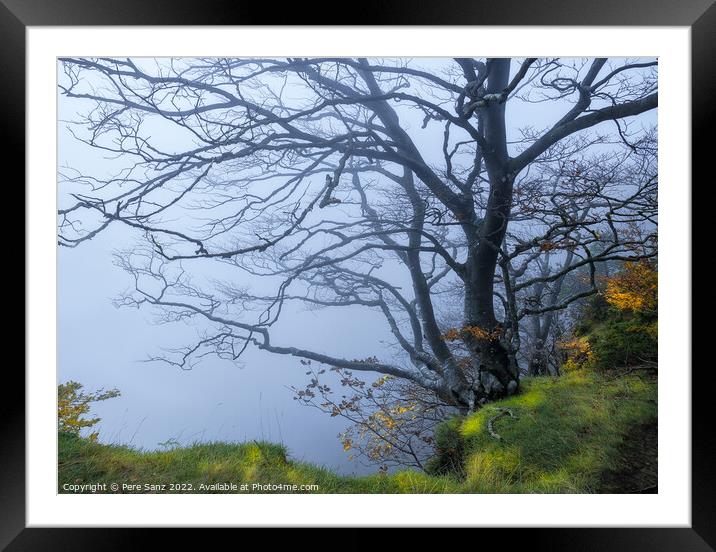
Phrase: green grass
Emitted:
{"points": [[567, 436]]}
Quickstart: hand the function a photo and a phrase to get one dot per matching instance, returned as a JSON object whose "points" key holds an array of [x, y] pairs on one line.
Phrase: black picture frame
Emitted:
{"points": [[699, 15]]}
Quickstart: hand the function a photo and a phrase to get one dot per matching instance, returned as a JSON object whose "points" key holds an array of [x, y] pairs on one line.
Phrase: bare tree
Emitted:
{"points": [[310, 174], [574, 216]]}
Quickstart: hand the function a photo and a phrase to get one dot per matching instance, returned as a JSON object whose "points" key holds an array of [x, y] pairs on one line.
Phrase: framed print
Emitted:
{"points": [[416, 269]]}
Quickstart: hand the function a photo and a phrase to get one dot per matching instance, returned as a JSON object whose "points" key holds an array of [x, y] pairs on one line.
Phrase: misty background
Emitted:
{"points": [[161, 405]]}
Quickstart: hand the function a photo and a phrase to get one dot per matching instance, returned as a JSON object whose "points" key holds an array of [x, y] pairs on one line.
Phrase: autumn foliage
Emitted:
{"points": [[73, 404], [476, 332], [577, 351], [635, 288], [618, 326], [391, 420]]}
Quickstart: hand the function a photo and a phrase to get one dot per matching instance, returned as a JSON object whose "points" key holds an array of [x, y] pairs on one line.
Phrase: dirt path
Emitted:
{"points": [[637, 469]]}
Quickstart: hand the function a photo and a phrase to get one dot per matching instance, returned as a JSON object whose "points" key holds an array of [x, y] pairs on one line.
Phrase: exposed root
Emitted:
{"points": [[491, 422]]}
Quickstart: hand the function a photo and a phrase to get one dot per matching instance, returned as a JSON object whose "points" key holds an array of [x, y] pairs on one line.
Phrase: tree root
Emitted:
{"points": [[491, 422]]}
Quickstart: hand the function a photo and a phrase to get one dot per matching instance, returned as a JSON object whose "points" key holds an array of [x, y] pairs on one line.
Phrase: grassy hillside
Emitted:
{"points": [[579, 433]]}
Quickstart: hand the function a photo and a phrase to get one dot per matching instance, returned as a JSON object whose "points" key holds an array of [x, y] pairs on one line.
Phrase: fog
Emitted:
{"points": [[161, 405]]}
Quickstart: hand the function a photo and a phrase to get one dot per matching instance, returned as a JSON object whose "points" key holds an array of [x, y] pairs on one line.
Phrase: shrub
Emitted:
{"points": [[73, 404], [619, 326], [624, 342], [449, 449], [578, 353], [634, 288]]}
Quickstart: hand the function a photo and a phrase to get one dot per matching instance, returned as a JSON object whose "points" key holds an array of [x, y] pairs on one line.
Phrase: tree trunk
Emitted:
{"points": [[496, 375], [538, 365]]}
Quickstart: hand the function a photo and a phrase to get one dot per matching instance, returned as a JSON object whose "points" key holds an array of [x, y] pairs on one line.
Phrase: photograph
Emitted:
{"points": [[357, 275]]}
